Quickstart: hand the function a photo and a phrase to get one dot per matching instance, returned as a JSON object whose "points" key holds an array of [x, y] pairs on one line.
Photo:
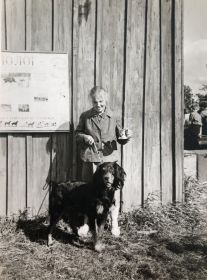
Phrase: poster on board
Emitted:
{"points": [[34, 92]]}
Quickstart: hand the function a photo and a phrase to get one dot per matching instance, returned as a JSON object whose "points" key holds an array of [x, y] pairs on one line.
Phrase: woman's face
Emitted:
{"points": [[99, 103]]}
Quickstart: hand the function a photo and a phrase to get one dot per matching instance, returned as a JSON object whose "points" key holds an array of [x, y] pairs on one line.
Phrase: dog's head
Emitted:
{"points": [[110, 175]]}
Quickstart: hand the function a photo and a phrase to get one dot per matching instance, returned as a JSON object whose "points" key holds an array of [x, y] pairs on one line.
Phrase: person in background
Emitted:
{"points": [[97, 135], [203, 112], [195, 121]]}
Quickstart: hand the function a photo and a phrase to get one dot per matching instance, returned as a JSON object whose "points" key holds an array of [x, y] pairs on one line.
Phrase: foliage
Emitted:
{"points": [[188, 97], [202, 97], [204, 87]]}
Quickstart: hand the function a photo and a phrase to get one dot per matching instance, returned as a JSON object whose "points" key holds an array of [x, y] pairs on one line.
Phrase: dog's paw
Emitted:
{"points": [[49, 240], [83, 231], [99, 209], [99, 247], [69, 229], [115, 231]]}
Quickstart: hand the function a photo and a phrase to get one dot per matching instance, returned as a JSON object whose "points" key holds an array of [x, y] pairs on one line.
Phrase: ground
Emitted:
{"points": [[157, 242]]}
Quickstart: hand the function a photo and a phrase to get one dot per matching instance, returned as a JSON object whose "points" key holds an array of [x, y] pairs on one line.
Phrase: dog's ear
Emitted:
{"points": [[119, 174]]}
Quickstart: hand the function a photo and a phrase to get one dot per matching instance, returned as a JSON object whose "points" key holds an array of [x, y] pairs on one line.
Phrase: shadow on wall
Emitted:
{"points": [[65, 163], [58, 156]]}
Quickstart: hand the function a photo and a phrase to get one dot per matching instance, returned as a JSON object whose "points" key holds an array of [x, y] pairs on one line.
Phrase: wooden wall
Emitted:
{"points": [[132, 48]]}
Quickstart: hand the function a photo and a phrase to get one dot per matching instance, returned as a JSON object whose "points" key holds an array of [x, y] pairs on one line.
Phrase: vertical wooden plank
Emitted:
{"points": [[62, 157], [30, 174], [132, 192], [3, 174], [52, 146], [179, 100], [110, 51], [152, 102], [83, 54], [15, 25], [39, 25], [3, 138], [83, 59], [16, 173], [38, 161], [110, 54], [63, 26], [62, 41], [2, 27], [39, 33], [15, 41], [166, 101]]}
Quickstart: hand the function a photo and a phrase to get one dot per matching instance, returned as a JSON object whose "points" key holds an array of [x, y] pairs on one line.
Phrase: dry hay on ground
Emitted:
{"points": [[157, 242]]}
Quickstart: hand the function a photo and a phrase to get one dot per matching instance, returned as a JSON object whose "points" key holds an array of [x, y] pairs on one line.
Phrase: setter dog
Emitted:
{"points": [[75, 202]]}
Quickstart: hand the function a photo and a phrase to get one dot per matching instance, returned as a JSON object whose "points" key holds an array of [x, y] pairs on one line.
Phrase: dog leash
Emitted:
{"points": [[97, 152]]}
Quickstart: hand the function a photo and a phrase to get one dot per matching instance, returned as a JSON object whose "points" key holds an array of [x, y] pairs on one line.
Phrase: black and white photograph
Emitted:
{"points": [[103, 140]]}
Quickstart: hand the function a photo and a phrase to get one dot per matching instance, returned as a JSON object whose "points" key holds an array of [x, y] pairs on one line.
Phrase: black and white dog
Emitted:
{"points": [[77, 202]]}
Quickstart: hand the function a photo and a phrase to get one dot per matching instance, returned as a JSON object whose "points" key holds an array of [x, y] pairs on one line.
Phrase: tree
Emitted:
{"points": [[204, 87], [203, 96], [188, 97]]}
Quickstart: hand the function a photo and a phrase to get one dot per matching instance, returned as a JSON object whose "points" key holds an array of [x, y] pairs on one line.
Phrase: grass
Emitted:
{"points": [[157, 242]]}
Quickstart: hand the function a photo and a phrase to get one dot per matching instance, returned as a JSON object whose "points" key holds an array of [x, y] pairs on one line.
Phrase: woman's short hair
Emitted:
{"points": [[97, 90]]}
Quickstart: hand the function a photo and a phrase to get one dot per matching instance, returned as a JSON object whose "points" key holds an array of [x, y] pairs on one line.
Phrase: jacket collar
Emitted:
{"points": [[93, 114]]}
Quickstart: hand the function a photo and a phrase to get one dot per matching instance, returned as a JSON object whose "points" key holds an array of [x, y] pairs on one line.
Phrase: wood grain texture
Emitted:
{"points": [[152, 102], [16, 173], [2, 26], [133, 113], [38, 162], [39, 38], [110, 55], [63, 26], [63, 165], [62, 42], [93, 34], [110, 51], [3, 174], [30, 174], [83, 55], [179, 99], [83, 62], [166, 102], [39, 25], [15, 25]]}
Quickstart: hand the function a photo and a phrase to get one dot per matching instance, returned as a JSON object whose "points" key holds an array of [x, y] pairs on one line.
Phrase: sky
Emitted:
{"points": [[195, 43]]}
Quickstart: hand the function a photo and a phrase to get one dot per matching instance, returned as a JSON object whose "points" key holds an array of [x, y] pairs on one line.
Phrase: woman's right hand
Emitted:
{"points": [[89, 140]]}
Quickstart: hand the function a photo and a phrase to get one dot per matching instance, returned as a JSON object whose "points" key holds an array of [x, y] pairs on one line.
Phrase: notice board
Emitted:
{"points": [[34, 93]]}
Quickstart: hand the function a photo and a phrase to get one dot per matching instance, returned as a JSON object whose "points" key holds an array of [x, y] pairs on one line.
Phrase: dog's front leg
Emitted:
{"points": [[99, 223], [114, 214], [96, 230]]}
